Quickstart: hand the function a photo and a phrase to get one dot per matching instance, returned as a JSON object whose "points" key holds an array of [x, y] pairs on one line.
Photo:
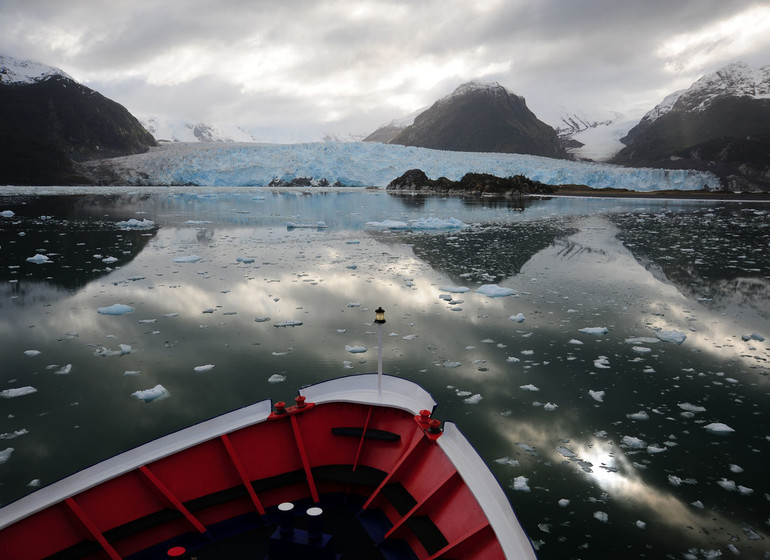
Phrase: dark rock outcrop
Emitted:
{"points": [[415, 180], [482, 117]]}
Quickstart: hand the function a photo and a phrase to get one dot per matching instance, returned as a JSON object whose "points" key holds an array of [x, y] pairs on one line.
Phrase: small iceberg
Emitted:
{"points": [[437, 223], [318, 225], [276, 378], [520, 484], [493, 291], [201, 369], [157, 393], [677, 337], [388, 224], [598, 396], [39, 259], [7, 214], [17, 392], [288, 324], [116, 309], [188, 259], [454, 289], [594, 330], [518, 318], [133, 223], [5, 454], [356, 349], [718, 428], [31, 353], [473, 399]]}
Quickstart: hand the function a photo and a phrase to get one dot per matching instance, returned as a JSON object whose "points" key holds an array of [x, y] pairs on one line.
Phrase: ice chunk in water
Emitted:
{"points": [[641, 415], [633, 442], [473, 399], [677, 337], [7, 214], [5, 454], [276, 378], [550, 406], [529, 387], [564, 502], [201, 369], [39, 259], [518, 318], [157, 393], [116, 309], [17, 392], [32, 353], [594, 330], [356, 349], [188, 259], [598, 396], [133, 223], [493, 291], [601, 516], [520, 484], [718, 428], [289, 323]]}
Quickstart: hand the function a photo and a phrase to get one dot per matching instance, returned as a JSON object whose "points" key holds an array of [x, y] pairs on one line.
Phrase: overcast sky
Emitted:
{"points": [[296, 69]]}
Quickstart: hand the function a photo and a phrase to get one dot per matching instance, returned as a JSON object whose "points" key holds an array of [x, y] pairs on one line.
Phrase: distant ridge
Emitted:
{"points": [[482, 117]]}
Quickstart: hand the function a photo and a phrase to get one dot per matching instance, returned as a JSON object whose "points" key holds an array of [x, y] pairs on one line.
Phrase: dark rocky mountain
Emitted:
{"points": [[50, 123], [482, 117], [720, 124]]}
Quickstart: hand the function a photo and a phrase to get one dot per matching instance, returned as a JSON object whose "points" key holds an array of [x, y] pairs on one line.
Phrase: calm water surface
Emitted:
{"points": [[599, 440]]}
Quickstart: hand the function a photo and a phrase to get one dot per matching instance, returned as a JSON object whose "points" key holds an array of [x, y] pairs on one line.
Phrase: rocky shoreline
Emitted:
{"points": [[480, 184]]}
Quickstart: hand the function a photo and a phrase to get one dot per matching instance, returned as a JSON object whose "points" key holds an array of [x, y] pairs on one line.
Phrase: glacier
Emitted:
{"points": [[370, 164]]}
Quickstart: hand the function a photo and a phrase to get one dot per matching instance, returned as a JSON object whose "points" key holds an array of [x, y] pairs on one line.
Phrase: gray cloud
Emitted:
{"points": [[353, 64]]}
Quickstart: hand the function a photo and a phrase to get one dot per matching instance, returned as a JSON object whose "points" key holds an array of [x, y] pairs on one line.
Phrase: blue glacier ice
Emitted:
{"points": [[362, 164]]}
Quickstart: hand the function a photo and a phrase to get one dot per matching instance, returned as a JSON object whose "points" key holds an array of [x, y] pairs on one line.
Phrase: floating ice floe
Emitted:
{"points": [[640, 524], [512, 359], [633, 442], [319, 225], [288, 323], [493, 291], [356, 349], [133, 223], [507, 461], [598, 396], [594, 330], [641, 415], [641, 349], [566, 452], [5, 454], [437, 223], [15, 434], [575, 341], [518, 318], [520, 484], [122, 351], [17, 392], [550, 406], [718, 428], [691, 407], [64, 370], [529, 387], [389, 224], [602, 362], [677, 337], [31, 353], [276, 378], [454, 289], [110, 260], [261, 319], [473, 399], [115, 309], [244, 260], [131, 372], [601, 516], [157, 393], [39, 259], [203, 368], [187, 259], [564, 502], [7, 214]]}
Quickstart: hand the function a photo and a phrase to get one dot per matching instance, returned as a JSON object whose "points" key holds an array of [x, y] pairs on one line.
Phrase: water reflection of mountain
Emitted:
{"points": [[489, 254], [716, 254], [516, 203], [77, 252]]}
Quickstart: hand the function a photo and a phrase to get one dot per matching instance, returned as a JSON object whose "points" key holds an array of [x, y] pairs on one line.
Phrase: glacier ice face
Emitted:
{"points": [[361, 164]]}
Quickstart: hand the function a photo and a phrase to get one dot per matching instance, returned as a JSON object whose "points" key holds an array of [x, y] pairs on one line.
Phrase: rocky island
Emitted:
{"points": [[478, 184]]}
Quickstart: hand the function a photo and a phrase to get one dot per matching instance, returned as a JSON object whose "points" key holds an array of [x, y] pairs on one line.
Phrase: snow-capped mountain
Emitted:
{"points": [[482, 117], [18, 71], [178, 130], [50, 122], [721, 123]]}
